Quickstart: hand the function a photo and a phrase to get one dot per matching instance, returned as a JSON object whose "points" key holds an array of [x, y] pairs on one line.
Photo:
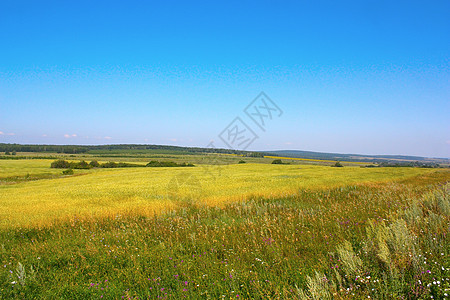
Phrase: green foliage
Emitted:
{"points": [[241, 162], [254, 154], [60, 164], [94, 164], [80, 165], [7, 153], [338, 165], [279, 162], [121, 149], [166, 164], [67, 172], [109, 164]]}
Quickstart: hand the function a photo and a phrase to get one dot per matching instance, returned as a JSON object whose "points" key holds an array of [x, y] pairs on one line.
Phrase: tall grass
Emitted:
{"points": [[403, 257], [262, 248]]}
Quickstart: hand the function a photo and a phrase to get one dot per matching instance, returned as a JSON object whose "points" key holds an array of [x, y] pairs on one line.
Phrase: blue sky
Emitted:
{"points": [[369, 77]]}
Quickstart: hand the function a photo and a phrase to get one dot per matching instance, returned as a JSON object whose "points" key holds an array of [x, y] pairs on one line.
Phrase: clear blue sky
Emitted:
{"points": [[368, 77]]}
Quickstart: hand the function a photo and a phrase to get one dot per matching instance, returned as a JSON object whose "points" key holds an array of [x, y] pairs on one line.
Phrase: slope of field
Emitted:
{"points": [[378, 241], [108, 192]]}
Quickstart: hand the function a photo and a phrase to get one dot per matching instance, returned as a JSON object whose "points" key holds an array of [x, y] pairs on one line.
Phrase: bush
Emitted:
{"points": [[338, 165], [109, 164], [67, 172], [277, 162], [94, 164], [60, 164], [166, 164], [241, 162], [80, 165]]}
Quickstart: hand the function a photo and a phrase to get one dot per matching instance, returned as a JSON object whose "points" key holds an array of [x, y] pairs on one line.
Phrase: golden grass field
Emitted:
{"points": [[107, 192]]}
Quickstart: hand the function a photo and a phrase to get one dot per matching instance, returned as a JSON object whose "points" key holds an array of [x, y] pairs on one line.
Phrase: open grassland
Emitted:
{"points": [[108, 192], [11, 168], [339, 233]]}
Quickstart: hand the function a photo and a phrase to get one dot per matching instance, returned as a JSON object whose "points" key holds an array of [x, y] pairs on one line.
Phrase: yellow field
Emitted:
{"points": [[150, 190], [10, 168]]}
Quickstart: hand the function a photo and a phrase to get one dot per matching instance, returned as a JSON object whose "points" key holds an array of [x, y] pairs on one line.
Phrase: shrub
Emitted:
{"points": [[67, 172], [277, 162], [80, 165], [338, 165], [94, 164], [242, 162], [109, 164], [60, 164], [166, 164]]}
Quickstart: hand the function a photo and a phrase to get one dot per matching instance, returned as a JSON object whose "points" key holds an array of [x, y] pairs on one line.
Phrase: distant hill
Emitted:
{"points": [[358, 157]]}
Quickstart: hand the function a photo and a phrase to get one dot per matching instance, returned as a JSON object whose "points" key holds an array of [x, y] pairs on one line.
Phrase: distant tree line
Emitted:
{"points": [[78, 149], [155, 163], [416, 164], [64, 164]]}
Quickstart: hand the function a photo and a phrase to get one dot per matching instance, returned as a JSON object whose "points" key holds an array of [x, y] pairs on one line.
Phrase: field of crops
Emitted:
{"points": [[237, 231], [148, 190]]}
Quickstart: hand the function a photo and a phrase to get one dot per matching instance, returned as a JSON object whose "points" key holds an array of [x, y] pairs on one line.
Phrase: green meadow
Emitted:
{"points": [[223, 231]]}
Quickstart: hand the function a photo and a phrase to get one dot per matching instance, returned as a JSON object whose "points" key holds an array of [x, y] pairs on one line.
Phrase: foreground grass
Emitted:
{"points": [[269, 248]]}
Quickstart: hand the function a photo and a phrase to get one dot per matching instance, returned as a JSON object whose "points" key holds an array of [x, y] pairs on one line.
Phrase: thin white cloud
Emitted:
{"points": [[68, 136], [173, 140], [107, 137], [10, 133], [2, 133]]}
